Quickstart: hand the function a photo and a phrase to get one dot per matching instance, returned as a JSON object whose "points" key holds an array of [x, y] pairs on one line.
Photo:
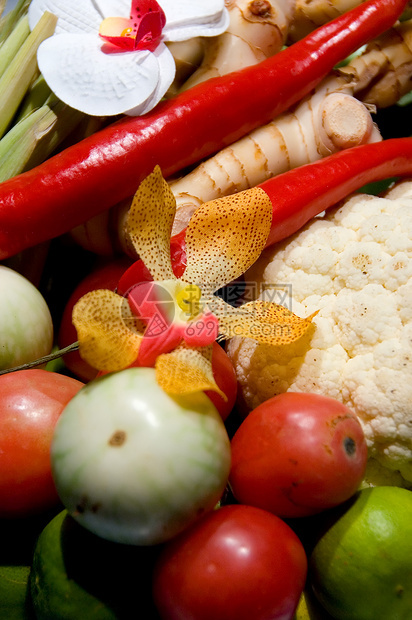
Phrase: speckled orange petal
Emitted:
{"points": [[109, 334], [149, 224], [186, 370], [225, 237], [263, 321]]}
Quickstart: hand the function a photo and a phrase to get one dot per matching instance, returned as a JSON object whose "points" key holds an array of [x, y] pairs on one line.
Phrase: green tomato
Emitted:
{"points": [[135, 465], [26, 327]]}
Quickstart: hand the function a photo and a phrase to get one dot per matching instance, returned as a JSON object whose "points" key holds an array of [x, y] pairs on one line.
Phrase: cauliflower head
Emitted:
{"points": [[354, 265]]}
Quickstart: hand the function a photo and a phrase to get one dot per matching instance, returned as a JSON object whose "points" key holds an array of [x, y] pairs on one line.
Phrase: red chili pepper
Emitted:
{"points": [[299, 194], [107, 167]]}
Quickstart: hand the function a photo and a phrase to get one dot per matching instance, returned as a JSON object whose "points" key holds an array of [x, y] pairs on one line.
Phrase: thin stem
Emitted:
{"points": [[43, 360]]}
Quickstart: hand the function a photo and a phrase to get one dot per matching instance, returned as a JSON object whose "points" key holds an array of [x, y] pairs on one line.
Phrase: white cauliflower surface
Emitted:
{"points": [[354, 266]]}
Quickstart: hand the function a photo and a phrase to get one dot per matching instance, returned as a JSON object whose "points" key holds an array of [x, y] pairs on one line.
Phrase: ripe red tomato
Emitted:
{"points": [[298, 454], [105, 276], [30, 404], [236, 563]]}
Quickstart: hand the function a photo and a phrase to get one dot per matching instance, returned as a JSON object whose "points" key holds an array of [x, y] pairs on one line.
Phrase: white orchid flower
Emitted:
{"points": [[109, 57]]}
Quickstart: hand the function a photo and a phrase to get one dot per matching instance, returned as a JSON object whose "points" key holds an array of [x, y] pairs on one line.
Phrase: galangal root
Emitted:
{"points": [[383, 72], [257, 30], [310, 14]]}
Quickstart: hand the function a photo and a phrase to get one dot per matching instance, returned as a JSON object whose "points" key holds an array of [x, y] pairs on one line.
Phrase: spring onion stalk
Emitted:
{"points": [[22, 70], [13, 43], [9, 21], [35, 137], [35, 98]]}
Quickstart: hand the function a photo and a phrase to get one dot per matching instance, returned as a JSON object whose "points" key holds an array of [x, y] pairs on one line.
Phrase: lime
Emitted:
{"points": [[76, 574], [17, 541], [361, 567], [14, 603]]}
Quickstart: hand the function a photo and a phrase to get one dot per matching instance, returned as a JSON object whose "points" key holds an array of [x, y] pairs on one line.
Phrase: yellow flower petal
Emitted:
{"points": [[149, 224], [263, 321], [109, 334], [186, 370], [225, 237]]}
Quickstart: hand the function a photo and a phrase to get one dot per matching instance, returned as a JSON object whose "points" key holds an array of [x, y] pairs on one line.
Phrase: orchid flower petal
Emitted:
{"points": [[142, 30], [110, 8], [149, 224], [202, 331], [102, 79], [225, 237], [159, 339], [185, 20], [167, 70], [263, 321], [186, 370], [117, 30], [76, 16], [107, 84], [109, 334]]}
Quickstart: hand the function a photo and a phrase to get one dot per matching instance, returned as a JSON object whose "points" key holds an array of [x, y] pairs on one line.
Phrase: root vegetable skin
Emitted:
{"points": [[383, 72], [257, 30], [96, 173], [310, 14], [188, 56], [329, 120]]}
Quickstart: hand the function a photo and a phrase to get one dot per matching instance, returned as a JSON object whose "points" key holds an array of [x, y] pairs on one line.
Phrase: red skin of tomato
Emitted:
{"points": [[298, 454], [31, 402], [236, 563]]}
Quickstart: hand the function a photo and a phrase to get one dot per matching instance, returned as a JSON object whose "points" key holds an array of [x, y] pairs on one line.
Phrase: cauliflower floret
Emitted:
{"points": [[354, 266]]}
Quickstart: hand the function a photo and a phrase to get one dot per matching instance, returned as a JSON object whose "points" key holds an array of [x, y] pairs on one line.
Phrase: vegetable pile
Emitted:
{"points": [[354, 266], [206, 313]]}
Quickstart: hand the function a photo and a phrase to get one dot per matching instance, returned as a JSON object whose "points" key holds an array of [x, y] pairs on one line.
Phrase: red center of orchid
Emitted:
{"points": [[141, 32]]}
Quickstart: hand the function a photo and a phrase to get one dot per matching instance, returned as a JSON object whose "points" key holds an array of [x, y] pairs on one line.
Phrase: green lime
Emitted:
{"points": [[361, 567], [77, 575], [14, 603]]}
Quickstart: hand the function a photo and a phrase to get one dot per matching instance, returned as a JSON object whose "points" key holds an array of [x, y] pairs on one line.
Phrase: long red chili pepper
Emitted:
{"points": [[301, 193], [107, 167]]}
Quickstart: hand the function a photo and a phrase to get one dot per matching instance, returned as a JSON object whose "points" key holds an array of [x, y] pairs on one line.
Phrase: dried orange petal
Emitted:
{"points": [[263, 321], [225, 237], [108, 332], [186, 370], [149, 224]]}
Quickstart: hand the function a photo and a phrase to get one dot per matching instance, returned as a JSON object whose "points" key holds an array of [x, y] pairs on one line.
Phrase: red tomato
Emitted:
{"points": [[237, 563], [298, 454], [106, 276], [30, 404]]}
